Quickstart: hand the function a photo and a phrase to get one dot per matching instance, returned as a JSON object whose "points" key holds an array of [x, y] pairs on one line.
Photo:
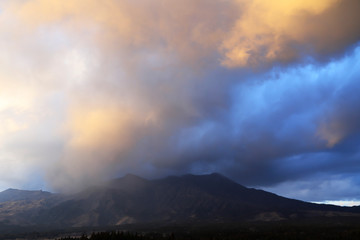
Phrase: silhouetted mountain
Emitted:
{"points": [[16, 195], [186, 199]]}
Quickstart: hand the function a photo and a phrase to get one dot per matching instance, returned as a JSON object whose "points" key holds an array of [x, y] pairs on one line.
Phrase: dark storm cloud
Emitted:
{"points": [[297, 123]]}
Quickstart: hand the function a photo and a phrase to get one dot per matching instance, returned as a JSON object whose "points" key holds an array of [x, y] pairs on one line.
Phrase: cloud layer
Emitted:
{"points": [[264, 92]]}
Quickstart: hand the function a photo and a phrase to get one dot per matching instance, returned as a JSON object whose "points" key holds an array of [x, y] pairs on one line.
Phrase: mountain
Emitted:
{"points": [[131, 199], [16, 195], [22, 207]]}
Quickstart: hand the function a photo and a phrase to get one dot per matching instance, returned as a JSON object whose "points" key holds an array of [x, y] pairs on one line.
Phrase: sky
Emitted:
{"points": [[263, 92]]}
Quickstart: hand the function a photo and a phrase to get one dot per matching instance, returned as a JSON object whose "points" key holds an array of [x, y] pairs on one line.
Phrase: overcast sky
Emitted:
{"points": [[264, 92]]}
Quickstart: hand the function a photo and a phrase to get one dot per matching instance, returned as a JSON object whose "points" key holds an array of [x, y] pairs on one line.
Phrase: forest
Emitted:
{"points": [[278, 233]]}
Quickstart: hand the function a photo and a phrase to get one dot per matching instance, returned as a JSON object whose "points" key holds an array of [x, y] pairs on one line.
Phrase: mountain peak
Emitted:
{"points": [[10, 190], [215, 174], [128, 182], [130, 176], [207, 175], [211, 178]]}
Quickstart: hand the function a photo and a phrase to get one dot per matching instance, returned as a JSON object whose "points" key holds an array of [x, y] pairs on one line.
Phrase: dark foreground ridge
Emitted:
{"points": [[172, 201]]}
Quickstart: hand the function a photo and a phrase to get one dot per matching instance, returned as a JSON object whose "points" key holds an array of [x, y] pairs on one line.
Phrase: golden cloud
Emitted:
{"points": [[269, 31]]}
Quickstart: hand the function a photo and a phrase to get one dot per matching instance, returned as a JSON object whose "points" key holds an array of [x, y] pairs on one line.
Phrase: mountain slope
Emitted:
{"points": [[22, 207], [185, 199]]}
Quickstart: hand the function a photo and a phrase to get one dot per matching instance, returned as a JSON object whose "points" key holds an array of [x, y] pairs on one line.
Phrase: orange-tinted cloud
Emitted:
{"points": [[239, 33], [332, 132], [272, 31]]}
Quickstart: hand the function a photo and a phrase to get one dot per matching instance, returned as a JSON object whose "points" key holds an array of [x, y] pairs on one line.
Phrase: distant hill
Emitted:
{"points": [[16, 195], [131, 199]]}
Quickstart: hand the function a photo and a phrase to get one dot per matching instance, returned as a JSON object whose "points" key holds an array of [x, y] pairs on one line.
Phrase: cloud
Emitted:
{"points": [[237, 33], [92, 90], [283, 31], [320, 189]]}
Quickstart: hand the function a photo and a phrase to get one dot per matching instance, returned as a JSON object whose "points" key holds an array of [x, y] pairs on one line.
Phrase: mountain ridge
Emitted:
{"points": [[209, 198]]}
